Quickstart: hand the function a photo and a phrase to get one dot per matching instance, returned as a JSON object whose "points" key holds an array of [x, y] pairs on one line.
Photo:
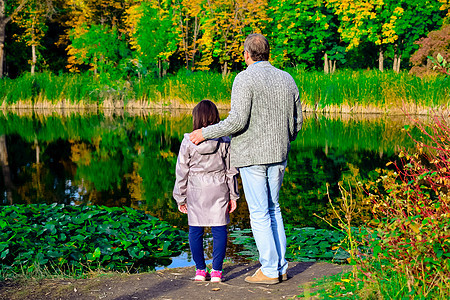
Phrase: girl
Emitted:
{"points": [[206, 189]]}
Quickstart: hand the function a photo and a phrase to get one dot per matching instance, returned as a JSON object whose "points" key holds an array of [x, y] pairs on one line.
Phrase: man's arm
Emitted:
{"points": [[241, 99]]}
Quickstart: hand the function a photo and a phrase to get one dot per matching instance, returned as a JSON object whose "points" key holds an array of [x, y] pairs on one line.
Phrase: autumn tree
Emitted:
{"points": [[96, 16], [362, 20], [7, 11], [187, 16], [388, 24], [225, 25], [32, 20]]}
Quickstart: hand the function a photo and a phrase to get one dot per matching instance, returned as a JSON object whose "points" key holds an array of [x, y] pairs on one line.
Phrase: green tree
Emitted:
{"points": [[152, 34], [99, 47], [304, 33], [82, 14], [417, 19]]}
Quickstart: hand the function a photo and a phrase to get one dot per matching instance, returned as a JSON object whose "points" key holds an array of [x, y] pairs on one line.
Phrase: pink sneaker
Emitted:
{"points": [[216, 276], [201, 275]]}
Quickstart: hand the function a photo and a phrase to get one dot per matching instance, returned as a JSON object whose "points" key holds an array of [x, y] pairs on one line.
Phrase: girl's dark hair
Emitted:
{"points": [[205, 113]]}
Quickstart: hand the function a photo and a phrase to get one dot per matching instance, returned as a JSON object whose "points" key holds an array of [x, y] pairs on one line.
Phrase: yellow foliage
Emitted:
{"points": [[132, 16], [445, 6], [227, 21], [81, 154], [135, 186]]}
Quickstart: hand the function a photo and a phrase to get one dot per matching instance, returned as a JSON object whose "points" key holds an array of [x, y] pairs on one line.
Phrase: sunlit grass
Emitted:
{"points": [[345, 90], [354, 89]]}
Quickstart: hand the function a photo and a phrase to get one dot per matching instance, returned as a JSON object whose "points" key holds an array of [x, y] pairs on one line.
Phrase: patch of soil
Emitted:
{"points": [[173, 284]]}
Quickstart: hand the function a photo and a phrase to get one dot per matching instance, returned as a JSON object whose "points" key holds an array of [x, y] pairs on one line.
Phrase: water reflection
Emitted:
{"points": [[129, 160]]}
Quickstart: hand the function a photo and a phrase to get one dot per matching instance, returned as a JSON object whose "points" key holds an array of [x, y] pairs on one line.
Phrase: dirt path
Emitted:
{"points": [[172, 284]]}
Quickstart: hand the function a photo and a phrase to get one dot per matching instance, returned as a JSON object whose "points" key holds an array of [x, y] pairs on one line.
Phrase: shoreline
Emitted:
{"points": [[136, 108]]}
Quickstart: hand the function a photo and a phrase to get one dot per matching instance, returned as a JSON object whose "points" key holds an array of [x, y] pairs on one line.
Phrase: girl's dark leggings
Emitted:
{"points": [[219, 246]]}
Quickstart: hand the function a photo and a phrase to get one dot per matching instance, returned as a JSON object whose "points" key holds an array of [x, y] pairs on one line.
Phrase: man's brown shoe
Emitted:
{"points": [[259, 277]]}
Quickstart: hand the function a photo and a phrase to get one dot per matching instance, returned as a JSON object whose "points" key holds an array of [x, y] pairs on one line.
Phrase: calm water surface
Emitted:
{"points": [[126, 160]]}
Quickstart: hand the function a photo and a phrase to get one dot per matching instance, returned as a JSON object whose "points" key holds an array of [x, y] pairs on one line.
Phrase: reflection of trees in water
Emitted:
{"points": [[131, 161], [5, 169]]}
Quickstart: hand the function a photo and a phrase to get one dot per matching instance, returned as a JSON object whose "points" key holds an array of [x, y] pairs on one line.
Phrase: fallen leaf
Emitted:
{"points": [[216, 289]]}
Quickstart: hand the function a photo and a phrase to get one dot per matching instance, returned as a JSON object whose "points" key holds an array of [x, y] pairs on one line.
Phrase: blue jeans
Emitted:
{"points": [[262, 184], [219, 246]]}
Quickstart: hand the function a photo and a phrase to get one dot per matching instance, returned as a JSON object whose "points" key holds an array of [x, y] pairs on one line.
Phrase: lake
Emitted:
{"points": [[125, 159]]}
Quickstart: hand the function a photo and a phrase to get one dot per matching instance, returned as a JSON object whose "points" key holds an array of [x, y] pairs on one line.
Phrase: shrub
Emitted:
{"points": [[412, 205]]}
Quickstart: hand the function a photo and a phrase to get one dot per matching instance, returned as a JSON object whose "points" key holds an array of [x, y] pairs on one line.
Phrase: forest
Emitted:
{"points": [[134, 38]]}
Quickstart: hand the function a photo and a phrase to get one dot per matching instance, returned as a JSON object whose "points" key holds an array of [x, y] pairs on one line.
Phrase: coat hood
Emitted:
{"points": [[205, 147]]}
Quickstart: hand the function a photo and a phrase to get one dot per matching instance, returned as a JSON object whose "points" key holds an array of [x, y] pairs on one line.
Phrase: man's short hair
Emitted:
{"points": [[257, 46]]}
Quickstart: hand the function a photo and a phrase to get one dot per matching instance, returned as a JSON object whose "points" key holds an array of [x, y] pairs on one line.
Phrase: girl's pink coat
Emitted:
{"points": [[205, 181]]}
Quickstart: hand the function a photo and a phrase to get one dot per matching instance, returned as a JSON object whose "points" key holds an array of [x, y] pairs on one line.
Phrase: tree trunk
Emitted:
{"points": [[33, 59], [3, 21], [194, 50], [186, 43], [399, 59], [165, 67], [326, 67], [5, 169], [381, 60], [394, 67], [334, 67], [159, 68], [225, 69], [2, 43], [33, 51]]}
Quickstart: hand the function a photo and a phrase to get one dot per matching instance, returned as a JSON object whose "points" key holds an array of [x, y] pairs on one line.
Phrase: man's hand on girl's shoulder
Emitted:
{"points": [[196, 136]]}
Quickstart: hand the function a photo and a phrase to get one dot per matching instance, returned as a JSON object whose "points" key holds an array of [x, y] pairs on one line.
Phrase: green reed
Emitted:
{"points": [[184, 87], [354, 89], [370, 88]]}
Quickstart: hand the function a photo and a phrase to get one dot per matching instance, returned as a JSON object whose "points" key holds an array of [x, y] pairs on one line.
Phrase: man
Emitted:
{"points": [[265, 117]]}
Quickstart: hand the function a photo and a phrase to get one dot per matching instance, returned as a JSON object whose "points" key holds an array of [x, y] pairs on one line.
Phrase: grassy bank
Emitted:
{"points": [[345, 90]]}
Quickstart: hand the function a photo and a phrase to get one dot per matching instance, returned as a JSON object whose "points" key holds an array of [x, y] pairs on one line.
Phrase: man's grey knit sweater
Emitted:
{"points": [[265, 116]]}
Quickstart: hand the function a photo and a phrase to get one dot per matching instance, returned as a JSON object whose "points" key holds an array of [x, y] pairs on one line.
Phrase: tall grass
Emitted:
{"points": [[387, 90], [345, 90], [185, 87]]}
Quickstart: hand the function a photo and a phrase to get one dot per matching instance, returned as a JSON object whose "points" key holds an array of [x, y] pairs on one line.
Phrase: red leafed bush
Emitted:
{"points": [[436, 42], [412, 204]]}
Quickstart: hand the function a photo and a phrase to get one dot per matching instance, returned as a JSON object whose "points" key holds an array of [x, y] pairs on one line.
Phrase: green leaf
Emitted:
{"points": [[4, 253], [40, 258], [97, 253]]}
